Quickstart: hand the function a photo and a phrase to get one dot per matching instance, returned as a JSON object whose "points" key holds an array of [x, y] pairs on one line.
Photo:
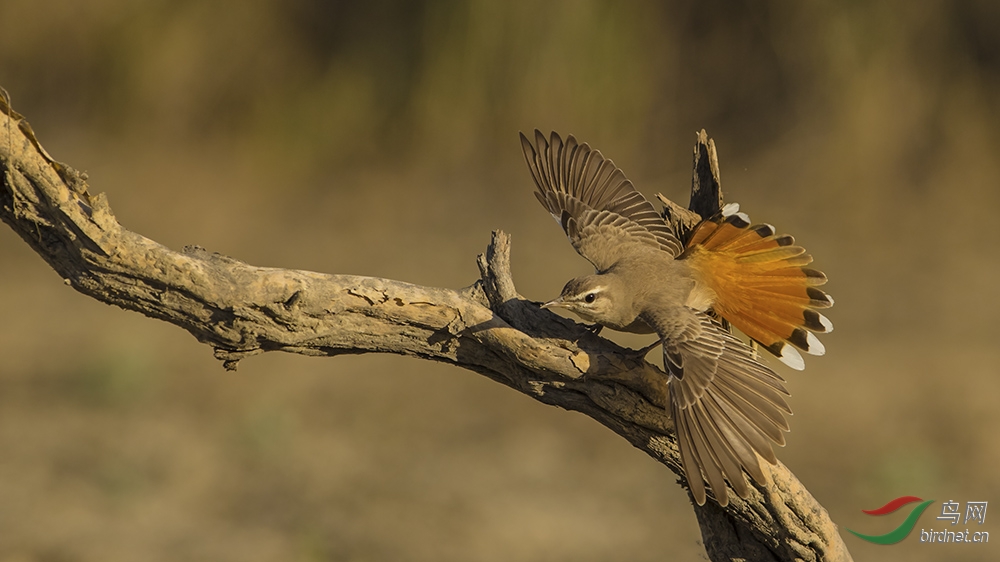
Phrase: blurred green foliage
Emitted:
{"points": [[343, 80]]}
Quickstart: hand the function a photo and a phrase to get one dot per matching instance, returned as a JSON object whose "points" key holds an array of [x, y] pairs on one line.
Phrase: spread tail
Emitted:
{"points": [[761, 283]]}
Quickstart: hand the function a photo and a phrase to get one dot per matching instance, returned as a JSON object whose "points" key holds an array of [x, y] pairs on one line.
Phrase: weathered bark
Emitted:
{"points": [[241, 310]]}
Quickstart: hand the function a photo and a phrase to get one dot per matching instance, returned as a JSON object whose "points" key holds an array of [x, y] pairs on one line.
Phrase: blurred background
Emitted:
{"points": [[380, 138]]}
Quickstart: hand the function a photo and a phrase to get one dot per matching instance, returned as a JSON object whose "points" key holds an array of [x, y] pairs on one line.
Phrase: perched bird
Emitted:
{"points": [[727, 405]]}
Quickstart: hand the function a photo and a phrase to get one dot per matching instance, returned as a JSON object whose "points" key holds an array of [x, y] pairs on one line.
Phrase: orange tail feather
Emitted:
{"points": [[761, 285]]}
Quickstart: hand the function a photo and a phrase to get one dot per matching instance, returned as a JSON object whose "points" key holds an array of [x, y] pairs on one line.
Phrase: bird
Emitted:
{"points": [[728, 406]]}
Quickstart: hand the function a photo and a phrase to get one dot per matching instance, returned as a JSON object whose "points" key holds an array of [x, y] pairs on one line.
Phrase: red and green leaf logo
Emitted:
{"points": [[899, 533]]}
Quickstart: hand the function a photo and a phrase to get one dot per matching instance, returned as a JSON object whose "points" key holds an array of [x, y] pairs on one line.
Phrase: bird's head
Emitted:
{"points": [[591, 298]]}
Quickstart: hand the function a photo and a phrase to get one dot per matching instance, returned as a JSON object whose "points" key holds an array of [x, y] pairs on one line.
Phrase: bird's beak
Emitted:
{"points": [[557, 303]]}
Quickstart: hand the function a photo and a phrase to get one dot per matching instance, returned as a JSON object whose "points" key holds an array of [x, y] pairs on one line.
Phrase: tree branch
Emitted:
{"points": [[241, 310]]}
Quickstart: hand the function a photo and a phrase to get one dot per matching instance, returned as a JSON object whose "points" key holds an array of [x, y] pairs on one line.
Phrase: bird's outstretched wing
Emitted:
{"points": [[593, 201], [727, 406]]}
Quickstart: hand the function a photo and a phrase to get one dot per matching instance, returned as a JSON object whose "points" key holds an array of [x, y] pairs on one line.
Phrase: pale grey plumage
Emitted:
{"points": [[728, 407]]}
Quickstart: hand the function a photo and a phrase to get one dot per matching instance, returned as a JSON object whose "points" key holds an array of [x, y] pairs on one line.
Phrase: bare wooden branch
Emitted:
{"points": [[706, 180], [706, 190], [241, 310]]}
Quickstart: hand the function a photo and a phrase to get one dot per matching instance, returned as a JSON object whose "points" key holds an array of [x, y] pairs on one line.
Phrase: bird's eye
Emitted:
{"points": [[590, 297]]}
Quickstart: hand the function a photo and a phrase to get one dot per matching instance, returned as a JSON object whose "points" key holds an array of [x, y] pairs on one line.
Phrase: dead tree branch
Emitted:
{"points": [[241, 310]]}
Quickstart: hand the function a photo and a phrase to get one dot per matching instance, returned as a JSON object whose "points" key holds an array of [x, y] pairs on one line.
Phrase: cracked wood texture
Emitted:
{"points": [[241, 310]]}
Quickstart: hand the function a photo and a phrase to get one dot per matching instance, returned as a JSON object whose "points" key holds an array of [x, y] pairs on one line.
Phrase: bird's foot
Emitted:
{"points": [[589, 328]]}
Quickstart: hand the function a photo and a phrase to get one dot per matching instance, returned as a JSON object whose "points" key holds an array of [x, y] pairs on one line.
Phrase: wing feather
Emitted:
{"points": [[605, 208], [727, 406]]}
